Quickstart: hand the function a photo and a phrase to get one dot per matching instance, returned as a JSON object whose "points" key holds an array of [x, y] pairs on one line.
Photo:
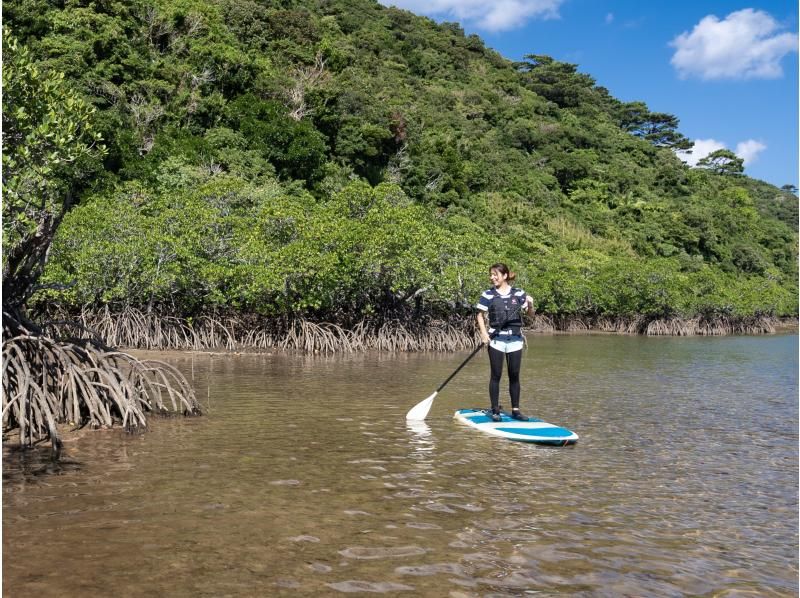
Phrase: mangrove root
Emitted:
{"points": [[48, 382]]}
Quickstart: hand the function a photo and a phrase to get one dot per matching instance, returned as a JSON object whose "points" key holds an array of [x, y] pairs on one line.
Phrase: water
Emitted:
{"points": [[304, 478]]}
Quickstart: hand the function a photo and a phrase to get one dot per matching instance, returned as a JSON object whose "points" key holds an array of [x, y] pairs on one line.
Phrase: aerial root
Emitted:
{"points": [[47, 383], [149, 330]]}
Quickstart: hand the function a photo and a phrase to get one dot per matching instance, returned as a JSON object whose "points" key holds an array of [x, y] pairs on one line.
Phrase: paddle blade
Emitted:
{"points": [[420, 411]]}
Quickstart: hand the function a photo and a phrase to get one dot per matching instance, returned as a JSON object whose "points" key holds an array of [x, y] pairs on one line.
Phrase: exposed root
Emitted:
{"points": [[711, 326], [133, 328], [541, 323], [142, 330], [48, 382]]}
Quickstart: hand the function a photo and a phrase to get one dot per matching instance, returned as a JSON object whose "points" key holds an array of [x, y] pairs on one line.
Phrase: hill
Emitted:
{"points": [[339, 161]]}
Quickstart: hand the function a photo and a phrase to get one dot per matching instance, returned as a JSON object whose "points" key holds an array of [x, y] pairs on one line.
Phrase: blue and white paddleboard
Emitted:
{"points": [[534, 430]]}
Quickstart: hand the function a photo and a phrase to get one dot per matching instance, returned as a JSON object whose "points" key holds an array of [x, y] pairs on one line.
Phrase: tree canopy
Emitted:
{"points": [[337, 158]]}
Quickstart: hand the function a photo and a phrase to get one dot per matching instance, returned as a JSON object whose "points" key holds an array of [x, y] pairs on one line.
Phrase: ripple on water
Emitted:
{"points": [[422, 525], [304, 539], [470, 507], [412, 493], [285, 482], [432, 569], [516, 580], [377, 587], [320, 567], [378, 552], [287, 583], [439, 508]]}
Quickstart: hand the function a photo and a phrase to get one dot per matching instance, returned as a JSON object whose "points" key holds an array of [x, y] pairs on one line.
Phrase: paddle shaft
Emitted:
{"points": [[458, 369]]}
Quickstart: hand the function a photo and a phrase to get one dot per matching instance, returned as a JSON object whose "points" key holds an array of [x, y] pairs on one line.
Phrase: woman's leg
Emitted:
{"points": [[514, 362], [496, 365]]}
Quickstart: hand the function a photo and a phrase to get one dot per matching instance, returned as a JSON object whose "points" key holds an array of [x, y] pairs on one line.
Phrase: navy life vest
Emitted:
{"points": [[505, 313]]}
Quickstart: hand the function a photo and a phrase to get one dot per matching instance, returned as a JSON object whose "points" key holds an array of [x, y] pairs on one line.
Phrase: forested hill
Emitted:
{"points": [[337, 159]]}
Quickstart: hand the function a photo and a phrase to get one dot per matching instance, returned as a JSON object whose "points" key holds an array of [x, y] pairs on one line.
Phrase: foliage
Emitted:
{"points": [[231, 244], [54, 378], [722, 161], [48, 145], [335, 159], [658, 128]]}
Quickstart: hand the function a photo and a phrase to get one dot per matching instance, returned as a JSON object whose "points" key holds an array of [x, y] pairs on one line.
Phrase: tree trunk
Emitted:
{"points": [[25, 261]]}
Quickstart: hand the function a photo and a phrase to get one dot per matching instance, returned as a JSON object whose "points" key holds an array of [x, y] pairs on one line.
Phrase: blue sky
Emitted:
{"points": [[728, 70]]}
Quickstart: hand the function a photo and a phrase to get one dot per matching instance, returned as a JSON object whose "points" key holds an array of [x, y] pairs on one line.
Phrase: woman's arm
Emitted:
{"points": [[482, 327]]}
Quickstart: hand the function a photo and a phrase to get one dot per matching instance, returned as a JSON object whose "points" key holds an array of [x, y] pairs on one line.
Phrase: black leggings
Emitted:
{"points": [[514, 363]]}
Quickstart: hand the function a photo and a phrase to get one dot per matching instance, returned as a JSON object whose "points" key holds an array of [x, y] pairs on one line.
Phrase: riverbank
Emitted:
{"points": [[134, 329], [787, 325]]}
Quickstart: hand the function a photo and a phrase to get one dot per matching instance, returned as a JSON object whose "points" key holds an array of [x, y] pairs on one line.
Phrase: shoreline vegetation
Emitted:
{"points": [[136, 329]]}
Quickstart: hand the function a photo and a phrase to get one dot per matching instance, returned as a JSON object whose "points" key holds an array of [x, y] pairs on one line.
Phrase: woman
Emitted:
{"points": [[503, 306]]}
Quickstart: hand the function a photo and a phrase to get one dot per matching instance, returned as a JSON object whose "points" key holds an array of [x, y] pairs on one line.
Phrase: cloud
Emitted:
{"points": [[609, 18], [749, 150], [500, 15], [700, 149], [746, 150], [747, 44]]}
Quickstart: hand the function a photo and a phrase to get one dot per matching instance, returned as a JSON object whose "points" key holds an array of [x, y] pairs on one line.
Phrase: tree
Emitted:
{"points": [[218, 88], [658, 128], [724, 162], [294, 147], [48, 145], [789, 188], [559, 82]]}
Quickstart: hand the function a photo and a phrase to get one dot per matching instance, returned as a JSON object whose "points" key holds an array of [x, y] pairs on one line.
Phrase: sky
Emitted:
{"points": [[727, 69]]}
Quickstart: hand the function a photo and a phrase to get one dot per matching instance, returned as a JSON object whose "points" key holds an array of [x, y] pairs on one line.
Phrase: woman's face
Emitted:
{"points": [[497, 277]]}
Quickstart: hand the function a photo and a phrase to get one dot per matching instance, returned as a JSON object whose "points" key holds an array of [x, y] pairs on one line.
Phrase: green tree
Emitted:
{"points": [[296, 148], [658, 128], [789, 188], [49, 146], [301, 103], [559, 82], [724, 162]]}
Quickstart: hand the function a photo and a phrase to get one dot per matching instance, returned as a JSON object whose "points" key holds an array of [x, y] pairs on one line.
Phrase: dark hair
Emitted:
{"points": [[503, 269]]}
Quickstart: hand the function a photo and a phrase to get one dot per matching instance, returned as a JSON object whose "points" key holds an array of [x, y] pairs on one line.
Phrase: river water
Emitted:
{"points": [[303, 478]]}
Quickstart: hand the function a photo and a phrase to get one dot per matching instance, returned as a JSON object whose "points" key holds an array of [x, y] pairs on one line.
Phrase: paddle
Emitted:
{"points": [[420, 410]]}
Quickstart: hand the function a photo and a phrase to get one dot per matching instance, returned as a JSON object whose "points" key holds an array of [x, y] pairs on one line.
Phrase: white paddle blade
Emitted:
{"points": [[420, 411]]}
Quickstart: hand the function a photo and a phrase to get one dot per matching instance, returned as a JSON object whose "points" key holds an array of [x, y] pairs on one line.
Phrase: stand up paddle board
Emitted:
{"points": [[533, 430]]}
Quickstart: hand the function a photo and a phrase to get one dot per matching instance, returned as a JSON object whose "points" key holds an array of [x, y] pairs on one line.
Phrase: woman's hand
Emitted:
{"points": [[485, 338]]}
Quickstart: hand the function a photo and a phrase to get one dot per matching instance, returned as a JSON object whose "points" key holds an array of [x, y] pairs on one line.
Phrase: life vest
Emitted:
{"points": [[505, 313]]}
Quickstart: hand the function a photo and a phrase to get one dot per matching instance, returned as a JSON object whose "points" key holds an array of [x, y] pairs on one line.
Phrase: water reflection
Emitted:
{"points": [[420, 431]]}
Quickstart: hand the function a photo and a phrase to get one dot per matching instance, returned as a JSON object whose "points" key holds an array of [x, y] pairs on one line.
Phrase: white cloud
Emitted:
{"points": [[500, 15], [749, 150], [746, 150], [747, 44], [700, 149]]}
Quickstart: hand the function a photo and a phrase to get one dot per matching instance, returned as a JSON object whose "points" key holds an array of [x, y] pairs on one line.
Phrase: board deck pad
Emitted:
{"points": [[533, 430]]}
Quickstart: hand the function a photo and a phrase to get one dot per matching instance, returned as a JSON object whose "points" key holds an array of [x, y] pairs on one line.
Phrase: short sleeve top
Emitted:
{"points": [[489, 294]]}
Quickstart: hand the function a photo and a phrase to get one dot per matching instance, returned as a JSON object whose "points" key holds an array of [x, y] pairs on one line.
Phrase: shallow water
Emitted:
{"points": [[304, 478]]}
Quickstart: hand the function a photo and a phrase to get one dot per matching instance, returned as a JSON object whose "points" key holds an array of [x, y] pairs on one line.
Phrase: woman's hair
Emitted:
{"points": [[503, 269]]}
